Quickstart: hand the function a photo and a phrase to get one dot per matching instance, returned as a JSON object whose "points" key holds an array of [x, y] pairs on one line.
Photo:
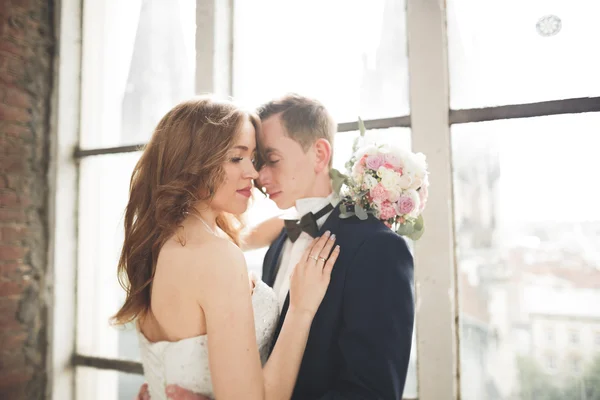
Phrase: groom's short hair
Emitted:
{"points": [[305, 119]]}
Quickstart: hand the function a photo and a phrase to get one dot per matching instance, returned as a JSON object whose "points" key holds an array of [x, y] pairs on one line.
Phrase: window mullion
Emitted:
{"points": [[435, 273]]}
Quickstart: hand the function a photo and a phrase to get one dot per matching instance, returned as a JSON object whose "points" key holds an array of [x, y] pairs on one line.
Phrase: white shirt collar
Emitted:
{"points": [[310, 204], [313, 204]]}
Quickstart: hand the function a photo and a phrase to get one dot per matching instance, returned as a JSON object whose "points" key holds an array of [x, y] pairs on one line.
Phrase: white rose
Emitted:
{"points": [[389, 179], [416, 183], [405, 182], [394, 195], [369, 181]]}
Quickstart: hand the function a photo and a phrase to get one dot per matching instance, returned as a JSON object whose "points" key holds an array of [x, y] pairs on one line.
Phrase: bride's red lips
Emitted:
{"points": [[247, 191]]}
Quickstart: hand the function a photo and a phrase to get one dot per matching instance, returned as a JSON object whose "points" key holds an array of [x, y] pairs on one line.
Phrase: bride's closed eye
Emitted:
{"points": [[240, 159]]}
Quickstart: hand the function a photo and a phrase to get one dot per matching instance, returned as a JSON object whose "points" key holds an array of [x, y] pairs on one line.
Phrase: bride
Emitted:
{"points": [[203, 323]]}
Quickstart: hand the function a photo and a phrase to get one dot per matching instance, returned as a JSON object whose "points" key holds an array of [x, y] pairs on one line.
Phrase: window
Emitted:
{"points": [[551, 362], [512, 240], [501, 222], [138, 61], [574, 336], [575, 365], [353, 57], [511, 152], [506, 57], [549, 334]]}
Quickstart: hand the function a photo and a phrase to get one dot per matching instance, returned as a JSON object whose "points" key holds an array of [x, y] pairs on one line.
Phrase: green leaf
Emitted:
{"points": [[418, 229], [405, 229], [361, 127], [360, 212], [354, 149], [337, 180], [416, 235], [419, 224]]}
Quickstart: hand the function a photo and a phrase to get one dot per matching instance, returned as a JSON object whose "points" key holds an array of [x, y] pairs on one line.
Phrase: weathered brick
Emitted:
{"points": [[8, 269], [15, 340], [26, 68], [12, 233], [11, 253], [12, 215], [8, 198], [19, 130], [14, 360], [13, 114], [8, 306], [9, 47], [17, 97], [13, 163], [10, 289]]}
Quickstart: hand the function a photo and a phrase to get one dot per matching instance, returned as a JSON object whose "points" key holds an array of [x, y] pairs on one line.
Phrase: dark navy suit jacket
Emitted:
{"points": [[360, 339]]}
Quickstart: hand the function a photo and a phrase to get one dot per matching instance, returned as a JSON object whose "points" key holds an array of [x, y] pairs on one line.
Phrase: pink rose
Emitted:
{"points": [[387, 211], [389, 166], [374, 162], [394, 162], [358, 169], [405, 205], [378, 193]]}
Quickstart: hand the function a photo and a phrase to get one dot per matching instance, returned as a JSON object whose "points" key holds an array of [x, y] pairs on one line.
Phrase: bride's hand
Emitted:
{"points": [[311, 275]]}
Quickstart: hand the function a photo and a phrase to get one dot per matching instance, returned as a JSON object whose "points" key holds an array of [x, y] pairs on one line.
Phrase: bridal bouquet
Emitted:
{"points": [[386, 181]]}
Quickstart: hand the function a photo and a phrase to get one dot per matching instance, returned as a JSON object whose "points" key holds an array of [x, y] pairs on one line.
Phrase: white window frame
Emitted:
{"points": [[437, 317]]}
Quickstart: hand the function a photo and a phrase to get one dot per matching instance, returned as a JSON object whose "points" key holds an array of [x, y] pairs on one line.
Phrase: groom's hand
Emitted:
{"points": [[174, 392]]}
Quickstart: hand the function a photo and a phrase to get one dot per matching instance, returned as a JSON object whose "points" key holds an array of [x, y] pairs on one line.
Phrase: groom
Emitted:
{"points": [[360, 339]]}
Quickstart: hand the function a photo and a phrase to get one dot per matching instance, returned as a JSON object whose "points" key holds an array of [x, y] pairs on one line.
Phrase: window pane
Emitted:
{"points": [[498, 56], [349, 55], [138, 62], [104, 190], [96, 384], [528, 240]]}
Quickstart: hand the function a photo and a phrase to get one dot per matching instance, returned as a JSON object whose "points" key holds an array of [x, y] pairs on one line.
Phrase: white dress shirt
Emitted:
{"points": [[293, 251]]}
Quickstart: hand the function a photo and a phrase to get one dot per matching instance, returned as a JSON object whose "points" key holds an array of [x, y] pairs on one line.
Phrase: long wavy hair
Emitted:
{"points": [[181, 165]]}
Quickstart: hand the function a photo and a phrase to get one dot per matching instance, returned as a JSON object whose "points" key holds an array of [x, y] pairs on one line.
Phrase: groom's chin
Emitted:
{"points": [[281, 202]]}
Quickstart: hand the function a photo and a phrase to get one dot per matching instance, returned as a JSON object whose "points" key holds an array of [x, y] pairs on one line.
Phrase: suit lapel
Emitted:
{"points": [[332, 222], [272, 264]]}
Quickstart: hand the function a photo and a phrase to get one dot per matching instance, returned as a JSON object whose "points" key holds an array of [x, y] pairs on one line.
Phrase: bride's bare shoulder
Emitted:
{"points": [[204, 258]]}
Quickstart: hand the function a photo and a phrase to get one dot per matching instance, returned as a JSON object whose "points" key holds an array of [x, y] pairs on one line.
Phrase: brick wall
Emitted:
{"points": [[26, 48]]}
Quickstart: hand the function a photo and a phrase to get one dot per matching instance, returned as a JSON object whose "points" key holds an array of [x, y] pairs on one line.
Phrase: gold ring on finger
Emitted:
{"points": [[322, 259], [313, 257]]}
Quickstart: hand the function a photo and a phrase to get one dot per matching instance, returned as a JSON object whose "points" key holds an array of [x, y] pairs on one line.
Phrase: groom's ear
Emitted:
{"points": [[323, 154]]}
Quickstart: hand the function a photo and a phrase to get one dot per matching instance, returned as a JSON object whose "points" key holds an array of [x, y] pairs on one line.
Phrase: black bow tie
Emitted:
{"points": [[308, 224]]}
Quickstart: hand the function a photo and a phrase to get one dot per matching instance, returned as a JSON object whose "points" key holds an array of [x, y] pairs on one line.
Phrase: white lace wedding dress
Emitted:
{"points": [[185, 362]]}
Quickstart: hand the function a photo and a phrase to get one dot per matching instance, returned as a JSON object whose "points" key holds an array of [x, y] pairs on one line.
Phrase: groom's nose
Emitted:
{"points": [[264, 175]]}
